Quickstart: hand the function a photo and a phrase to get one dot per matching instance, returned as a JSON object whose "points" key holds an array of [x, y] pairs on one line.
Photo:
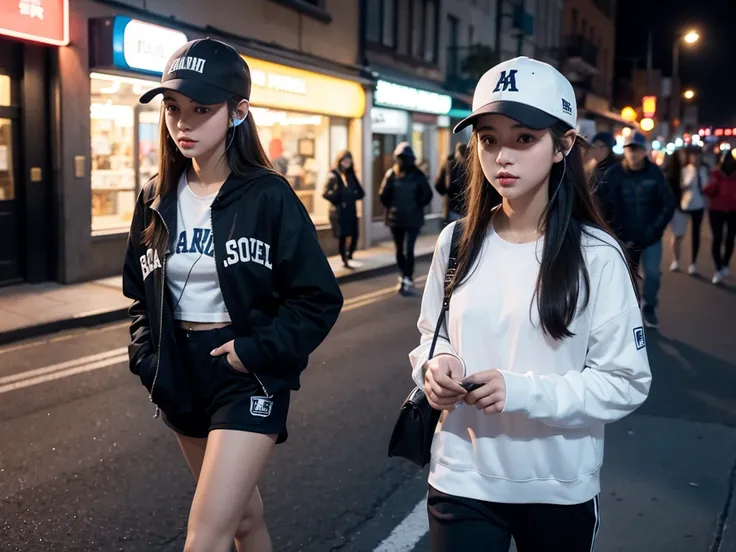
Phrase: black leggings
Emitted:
{"points": [[464, 524], [345, 252], [697, 218], [721, 250], [405, 239]]}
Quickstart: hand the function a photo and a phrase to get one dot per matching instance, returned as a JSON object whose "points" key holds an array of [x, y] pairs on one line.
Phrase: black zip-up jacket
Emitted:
{"points": [[279, 289], [641, 203], [451, 182], [405, 198]]}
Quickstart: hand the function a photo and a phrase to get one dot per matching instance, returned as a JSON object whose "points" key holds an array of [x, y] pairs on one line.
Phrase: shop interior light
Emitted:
{"points": [[678, 143], [656, 145]]}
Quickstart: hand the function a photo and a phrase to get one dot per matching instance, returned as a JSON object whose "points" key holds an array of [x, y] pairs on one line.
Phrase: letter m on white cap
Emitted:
{"points": [[507, 81]]}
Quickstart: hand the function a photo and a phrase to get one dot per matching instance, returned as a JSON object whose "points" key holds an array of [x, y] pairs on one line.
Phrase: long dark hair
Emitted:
{"points": [[571, 206], [727, 164], [244, 153]]}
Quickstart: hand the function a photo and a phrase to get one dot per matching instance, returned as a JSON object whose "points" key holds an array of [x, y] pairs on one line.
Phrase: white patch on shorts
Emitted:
{"points": [[261, 406]]}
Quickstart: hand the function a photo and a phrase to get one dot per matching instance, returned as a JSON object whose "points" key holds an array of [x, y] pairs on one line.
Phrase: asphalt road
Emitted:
{"points": [[85, 467]]}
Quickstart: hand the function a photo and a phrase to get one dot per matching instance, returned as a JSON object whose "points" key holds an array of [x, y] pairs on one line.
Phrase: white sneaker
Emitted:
{"points": [[726, 272], [692, 270], [717, 278], [675, 266]]}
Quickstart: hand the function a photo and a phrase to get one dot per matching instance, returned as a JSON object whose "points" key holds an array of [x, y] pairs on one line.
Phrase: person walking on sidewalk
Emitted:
{"points": [[672, 169], [451, 182], [695, 175], [643, 206], [231, 292], [343, 190], [722, 213], [543, 319], [405, 192], [604, 158]]}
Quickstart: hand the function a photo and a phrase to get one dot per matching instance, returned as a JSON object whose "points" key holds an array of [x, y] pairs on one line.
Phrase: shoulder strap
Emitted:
{"points": [[449, 275]]}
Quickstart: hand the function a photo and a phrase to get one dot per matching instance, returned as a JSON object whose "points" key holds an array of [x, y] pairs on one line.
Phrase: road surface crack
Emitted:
{"points": [[723, 517]]}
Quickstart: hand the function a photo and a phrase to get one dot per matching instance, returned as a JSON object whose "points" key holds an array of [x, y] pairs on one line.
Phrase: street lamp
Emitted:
{"points": [[691, 37], [689, 94]]}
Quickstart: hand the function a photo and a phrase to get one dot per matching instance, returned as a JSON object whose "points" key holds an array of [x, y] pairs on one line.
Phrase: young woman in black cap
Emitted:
{"points": [[544, 331], [231, 292]]}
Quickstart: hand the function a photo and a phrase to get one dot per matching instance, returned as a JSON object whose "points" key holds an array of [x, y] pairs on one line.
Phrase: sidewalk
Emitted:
{"points": [[30, 310]]}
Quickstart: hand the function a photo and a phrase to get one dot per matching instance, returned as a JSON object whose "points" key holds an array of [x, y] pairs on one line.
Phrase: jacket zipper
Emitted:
{"points": [[157, 410], [217, 275]]}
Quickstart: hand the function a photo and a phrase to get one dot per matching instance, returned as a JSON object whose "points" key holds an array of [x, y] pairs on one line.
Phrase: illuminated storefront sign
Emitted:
{"points": [[389, 94], [144, 47], [283, 87], [45, 21]]}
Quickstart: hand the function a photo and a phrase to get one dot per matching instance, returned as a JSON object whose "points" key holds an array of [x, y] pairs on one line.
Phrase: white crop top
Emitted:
{"points": [[190, 270]]}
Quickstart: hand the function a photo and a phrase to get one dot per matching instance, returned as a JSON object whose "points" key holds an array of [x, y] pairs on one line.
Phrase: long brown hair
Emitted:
{"points": [[244, 153], [571, 206]]}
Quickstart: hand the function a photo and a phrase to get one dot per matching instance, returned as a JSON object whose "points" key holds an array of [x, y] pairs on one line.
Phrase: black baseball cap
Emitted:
{"points": [[205, 70]]}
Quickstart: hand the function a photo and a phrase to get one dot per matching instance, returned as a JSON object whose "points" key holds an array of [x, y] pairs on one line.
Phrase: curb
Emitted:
{"points": [[116, 315]]}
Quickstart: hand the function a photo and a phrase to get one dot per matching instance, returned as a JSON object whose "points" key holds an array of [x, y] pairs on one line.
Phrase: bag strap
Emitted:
{"points": [[449, 275]]}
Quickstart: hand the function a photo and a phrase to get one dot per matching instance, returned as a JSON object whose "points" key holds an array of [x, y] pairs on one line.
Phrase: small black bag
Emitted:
{"points": [[414, 430]]}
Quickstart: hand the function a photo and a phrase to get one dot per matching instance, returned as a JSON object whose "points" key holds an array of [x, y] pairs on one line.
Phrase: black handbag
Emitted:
{"points": [[414, 430]]}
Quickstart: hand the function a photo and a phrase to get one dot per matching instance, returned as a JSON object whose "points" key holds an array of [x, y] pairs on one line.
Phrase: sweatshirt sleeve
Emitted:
{"points": [[431, 308], [616, 377]]}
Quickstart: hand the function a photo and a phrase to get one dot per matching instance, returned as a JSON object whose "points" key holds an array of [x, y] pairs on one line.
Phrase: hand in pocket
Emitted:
{"points": [[228, 349]]}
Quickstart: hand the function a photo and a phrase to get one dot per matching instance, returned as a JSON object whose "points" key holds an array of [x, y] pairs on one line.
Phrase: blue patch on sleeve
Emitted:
{"points": [[640, 339]]}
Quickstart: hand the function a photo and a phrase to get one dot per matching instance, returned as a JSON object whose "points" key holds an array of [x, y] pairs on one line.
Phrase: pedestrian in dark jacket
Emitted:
{"points": [[343, 190], [451, 182], [642, 207], [231, 292], [602, 152], [405, 192]]}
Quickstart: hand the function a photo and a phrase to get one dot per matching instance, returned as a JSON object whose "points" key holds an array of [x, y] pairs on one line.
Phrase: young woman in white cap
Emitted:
{"points": [[231, 292], [544, 330]]}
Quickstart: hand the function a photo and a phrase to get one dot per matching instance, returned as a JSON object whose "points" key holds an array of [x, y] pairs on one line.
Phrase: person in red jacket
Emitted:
{"points": [[721, 191]]}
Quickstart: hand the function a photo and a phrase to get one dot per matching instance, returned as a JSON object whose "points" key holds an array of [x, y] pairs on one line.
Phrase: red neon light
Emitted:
{"points": [[728, 132], [44, 21], [718, 132]]}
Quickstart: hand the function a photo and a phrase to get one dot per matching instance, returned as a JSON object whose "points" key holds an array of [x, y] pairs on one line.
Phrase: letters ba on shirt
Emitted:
{"points": [[248, 250]]}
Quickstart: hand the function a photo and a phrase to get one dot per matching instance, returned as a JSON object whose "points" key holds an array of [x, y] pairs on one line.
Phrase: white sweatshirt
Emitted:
{"points": [[547, 444]]}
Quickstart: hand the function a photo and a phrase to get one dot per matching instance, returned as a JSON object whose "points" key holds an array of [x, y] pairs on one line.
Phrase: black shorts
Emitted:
{"points": [[226, 398]]}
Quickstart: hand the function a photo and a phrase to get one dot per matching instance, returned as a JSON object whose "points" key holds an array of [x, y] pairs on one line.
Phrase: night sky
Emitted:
{"points": [[709, 66]]}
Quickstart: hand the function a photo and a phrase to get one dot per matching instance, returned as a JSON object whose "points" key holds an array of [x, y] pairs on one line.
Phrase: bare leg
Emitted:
{"points": [[251, 534]]}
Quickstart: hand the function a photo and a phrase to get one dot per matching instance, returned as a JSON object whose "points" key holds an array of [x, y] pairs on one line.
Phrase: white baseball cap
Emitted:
{"points": [[529, 91]]}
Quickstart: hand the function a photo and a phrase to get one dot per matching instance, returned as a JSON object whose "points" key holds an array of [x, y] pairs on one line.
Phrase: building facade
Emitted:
{"points": [[90, 146], [587, 59]]}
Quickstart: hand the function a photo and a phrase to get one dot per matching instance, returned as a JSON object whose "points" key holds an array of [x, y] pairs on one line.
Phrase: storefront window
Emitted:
{"points": [[4, 90], [299, 146], [7, 185], [124, 148]]}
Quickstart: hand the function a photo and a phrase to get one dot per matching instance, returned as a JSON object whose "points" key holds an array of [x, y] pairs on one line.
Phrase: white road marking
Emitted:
{"points": [[64, 373], [63, 366], [409, 532], [115, 356]]}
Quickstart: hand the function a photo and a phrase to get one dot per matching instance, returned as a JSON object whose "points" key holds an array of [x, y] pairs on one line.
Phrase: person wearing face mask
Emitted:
{"points": [[405, 192], [343, 190], [540, 334], [231, 292], [643, 205]]}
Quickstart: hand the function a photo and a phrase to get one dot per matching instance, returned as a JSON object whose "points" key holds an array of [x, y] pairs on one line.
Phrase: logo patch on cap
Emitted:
{"points": [[566, 106], [188, 63], [507, 82]]}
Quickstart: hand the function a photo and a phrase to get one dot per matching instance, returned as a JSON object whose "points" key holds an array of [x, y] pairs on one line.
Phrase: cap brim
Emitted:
{"points": [[200, 92], [529, 116]]}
